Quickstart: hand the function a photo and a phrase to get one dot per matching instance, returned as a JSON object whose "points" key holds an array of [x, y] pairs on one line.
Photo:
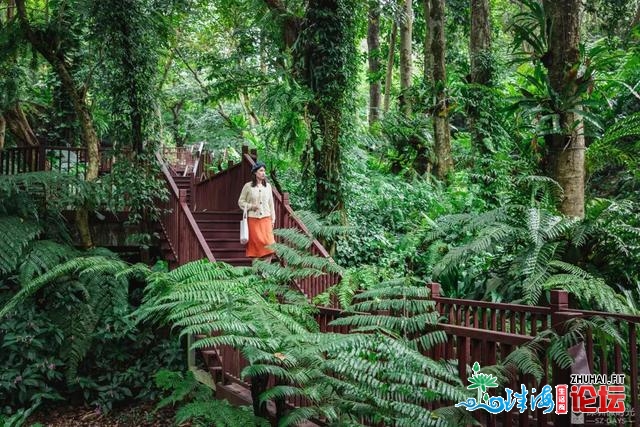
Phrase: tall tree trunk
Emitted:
{"points": [[442, 136], [245, 102], [480, 60], [406, 51], [49, 50], [175, 122], [428, 41], [373, 47], [324, 61], [390, 60], [329, 26], [480, 42], [3, 130], [11, 7], [565, 154]]}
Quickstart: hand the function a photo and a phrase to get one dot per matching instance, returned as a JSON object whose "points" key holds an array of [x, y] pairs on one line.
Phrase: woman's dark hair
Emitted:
{"points": [[254, 180]]}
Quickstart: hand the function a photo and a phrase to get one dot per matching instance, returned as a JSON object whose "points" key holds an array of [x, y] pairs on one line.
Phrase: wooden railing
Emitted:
{"points": [[193, 160], [487, 333], [179, 226], [71, 160]]}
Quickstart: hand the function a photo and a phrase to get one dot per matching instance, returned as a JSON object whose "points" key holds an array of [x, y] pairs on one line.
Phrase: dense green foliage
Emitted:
{"points": [[64, 325], [289, 79]]}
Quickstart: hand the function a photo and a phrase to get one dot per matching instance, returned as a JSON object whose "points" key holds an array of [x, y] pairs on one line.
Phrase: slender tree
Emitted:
{"points": [[481, 66], [406, 52], [12, 116], [442, 136], [565, 148], [3, 130], [393, 35], [480, 42], [373, 47], [428, 40]]}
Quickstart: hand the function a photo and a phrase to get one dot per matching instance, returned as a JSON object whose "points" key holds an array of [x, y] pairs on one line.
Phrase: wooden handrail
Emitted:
{"points": [[517, 308]]}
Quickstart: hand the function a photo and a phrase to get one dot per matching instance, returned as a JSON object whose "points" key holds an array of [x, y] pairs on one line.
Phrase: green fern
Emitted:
{"points": [[196, 404], [18, 234], [525, 248], [98, 290], [42, 257], [619, 145]]}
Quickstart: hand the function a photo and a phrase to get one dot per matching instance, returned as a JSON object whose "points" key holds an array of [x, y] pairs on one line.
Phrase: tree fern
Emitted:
{"points": [[526, 248], [619, 144]]}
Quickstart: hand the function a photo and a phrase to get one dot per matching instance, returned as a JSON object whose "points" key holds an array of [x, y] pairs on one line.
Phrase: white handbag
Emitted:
{"points": [[244, 228]]}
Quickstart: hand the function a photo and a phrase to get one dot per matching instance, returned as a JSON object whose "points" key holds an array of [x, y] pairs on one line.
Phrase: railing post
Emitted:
{"points": [[435, 290], [283, 210], [182, 198], [559, 315], [192, 187], [42, 157]]}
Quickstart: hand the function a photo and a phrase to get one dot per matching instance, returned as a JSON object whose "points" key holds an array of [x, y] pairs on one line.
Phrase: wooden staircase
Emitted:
{"points": [[221, 231], [203, 221]]}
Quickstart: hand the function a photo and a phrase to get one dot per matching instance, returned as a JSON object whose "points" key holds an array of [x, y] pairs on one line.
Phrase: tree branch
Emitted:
{"points": [[204, 88]]}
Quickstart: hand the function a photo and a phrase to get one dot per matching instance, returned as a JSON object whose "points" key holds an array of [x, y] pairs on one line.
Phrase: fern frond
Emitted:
{"points": [[76, 265], [43, 256], [217, 413], [18, 234], [295, 237]]}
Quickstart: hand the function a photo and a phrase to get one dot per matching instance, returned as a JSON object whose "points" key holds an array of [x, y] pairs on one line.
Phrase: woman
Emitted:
{"points": [[257, 198]]}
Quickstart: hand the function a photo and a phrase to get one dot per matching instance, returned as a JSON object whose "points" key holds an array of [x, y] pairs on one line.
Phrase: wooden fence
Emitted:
{"points": [[71, 160]]}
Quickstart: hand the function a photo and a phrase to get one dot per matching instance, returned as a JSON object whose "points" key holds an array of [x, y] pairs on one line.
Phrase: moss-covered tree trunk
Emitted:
{"points": [[481, 67], [442, 136], [324, 61], [3, 130], [428, 35], [373, 47], [565, 150], [393, 35], [328, 40], [406, 53]]}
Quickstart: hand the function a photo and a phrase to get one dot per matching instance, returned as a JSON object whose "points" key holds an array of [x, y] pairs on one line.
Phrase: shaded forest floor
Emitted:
{"points": [[137, 415]]}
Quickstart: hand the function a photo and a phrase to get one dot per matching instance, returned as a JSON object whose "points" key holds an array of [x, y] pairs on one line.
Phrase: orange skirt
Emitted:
{"points": [[260, 236]]}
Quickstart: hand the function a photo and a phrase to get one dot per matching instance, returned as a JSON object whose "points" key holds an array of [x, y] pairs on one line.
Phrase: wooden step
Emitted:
{"points": [[211, 233], [223, 242], [238, 261], [219, 224], [217, 216], [221, 253]]}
